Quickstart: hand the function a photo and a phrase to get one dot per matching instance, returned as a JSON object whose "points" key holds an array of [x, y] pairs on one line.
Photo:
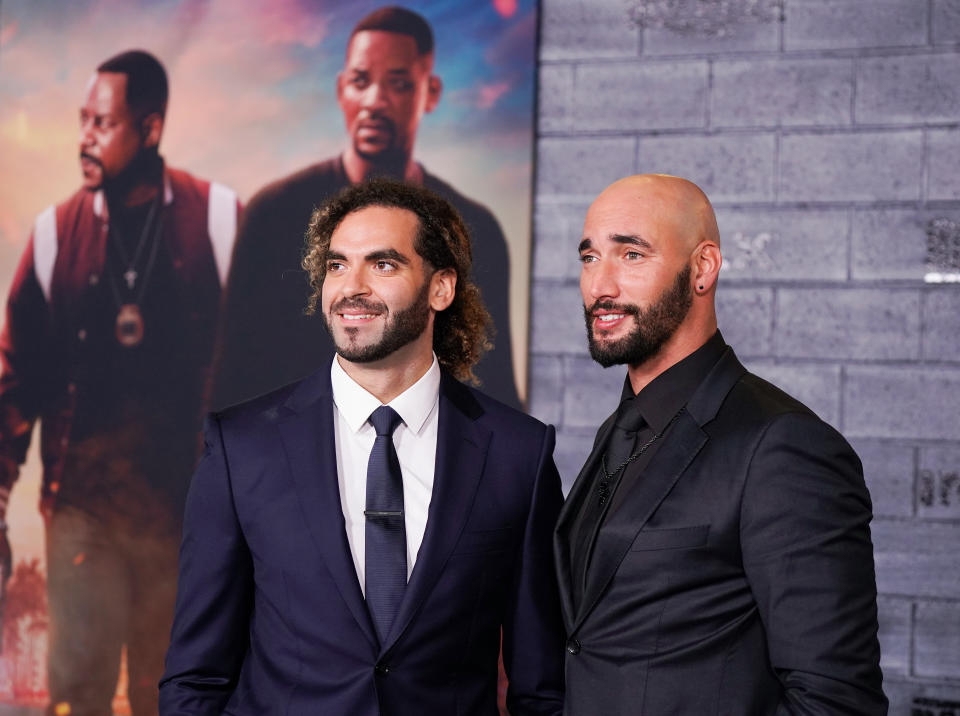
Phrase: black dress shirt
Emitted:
{"points": [[651, 412]]}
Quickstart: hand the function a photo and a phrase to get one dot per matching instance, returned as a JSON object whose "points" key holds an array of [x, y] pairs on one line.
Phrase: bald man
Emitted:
{"points": [[714, 554]]}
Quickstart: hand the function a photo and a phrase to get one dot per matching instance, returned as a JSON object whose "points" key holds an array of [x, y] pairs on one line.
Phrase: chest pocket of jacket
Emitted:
{"points": [[671, 538]]}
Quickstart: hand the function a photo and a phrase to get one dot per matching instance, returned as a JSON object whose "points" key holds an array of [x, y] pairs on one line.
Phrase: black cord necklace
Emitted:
{"points": [[604, 483], [130, 275], [129, 326]]}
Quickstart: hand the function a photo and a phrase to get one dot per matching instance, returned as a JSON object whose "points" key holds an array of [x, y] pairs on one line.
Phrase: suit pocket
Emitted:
{"points": [[480, 541], [671, 538]]}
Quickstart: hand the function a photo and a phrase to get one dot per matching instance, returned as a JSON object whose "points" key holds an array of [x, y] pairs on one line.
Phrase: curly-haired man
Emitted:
{"points": [[357, 542]]}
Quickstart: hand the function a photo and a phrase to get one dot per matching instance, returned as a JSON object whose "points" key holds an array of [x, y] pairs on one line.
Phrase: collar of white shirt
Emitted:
{"points": [[413, 405]]}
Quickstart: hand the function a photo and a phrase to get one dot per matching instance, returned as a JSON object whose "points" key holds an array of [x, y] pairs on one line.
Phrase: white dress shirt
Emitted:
{"points": [[415, 441]]}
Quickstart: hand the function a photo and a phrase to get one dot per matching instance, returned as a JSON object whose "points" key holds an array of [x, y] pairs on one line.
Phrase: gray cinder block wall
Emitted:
{"points": [[828, 138]]}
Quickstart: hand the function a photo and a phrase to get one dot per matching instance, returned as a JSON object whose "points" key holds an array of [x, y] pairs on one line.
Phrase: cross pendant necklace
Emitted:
{"points": [[130, 276]]}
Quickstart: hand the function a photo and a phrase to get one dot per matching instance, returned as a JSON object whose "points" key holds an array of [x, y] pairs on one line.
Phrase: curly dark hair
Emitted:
{"points": [[463, 331]]}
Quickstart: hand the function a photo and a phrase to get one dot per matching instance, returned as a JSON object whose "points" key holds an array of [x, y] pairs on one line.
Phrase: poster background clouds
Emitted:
{"points": [[252, 98]]}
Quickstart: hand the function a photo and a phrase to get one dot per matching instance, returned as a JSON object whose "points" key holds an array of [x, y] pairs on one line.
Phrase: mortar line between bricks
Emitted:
{"points": [[576, 201], [841, 402], [849, 246], [930, 4], [777, 168], [801, 361], [793, 361], [855, 69], [774, 309], [876, 52], [891, 363], [916, 478], [912, 597], [781, 29], [708, 103], [918, 680], [583, 201], [924, 171], [905, 679], [912, 670], [904, 441], [733, 131], [899, 519], [922, 332], [828, 128], [916, 442], [735, 283]]}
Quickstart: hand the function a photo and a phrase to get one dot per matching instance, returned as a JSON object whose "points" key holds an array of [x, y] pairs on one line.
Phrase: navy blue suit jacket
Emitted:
{"points": [[270, 618]]}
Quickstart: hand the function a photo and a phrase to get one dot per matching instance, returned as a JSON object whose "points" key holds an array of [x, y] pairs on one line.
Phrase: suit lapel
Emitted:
{"points": [[461, 456], [308, 439], [571, 506], [681, 445]]}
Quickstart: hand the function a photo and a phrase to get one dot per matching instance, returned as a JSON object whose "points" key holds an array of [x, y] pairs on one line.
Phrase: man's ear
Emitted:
{"points": [[434, 90], [707, 261], [151, 129], [443, 289], [340, 81]]}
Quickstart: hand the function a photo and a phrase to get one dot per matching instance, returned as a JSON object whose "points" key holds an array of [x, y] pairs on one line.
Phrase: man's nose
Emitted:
{"points": [[86, 132], [375, 96], [355, 284], [600, 280]]}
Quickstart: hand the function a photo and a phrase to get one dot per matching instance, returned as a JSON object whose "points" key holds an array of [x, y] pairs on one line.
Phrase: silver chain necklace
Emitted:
{"points": [[603, 486]]}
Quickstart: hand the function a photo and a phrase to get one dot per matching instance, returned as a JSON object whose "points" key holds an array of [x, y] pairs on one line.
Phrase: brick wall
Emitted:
{"points": [[828, 140]]}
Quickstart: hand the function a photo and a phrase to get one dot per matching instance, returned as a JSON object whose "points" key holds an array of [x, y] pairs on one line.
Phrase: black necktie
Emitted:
{"points": [[623, 439], [386, 537]]}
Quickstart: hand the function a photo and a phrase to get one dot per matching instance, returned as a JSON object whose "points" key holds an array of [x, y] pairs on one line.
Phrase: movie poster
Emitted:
{"points": [[111, 354]]}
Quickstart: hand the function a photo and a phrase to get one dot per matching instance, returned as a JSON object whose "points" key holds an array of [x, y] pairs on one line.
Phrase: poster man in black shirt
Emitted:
{"points": [[385, 88]]}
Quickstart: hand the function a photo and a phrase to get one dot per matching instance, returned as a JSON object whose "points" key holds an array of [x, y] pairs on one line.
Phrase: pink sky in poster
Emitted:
{"points": [[252, 99]]}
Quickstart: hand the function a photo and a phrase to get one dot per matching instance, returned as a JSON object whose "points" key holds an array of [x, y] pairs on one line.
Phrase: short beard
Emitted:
{"points": [[655, 325], [406, 325], [145, 168], [390, 156]]}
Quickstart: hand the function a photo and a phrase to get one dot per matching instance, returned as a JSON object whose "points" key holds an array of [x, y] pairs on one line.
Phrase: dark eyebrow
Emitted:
{"points": [[335, 256], [387, 254], [632, 240]]}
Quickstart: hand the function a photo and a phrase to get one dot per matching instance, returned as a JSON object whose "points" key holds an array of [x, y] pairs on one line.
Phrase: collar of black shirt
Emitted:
{"points": [[665, 395]]}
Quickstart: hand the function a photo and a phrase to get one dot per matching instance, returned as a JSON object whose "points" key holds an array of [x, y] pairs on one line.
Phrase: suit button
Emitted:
{"points": [[573, 646], [382, 669]]}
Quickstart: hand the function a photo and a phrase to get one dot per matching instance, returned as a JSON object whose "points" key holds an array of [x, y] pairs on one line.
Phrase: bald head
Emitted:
{"points": [[678, 208]]}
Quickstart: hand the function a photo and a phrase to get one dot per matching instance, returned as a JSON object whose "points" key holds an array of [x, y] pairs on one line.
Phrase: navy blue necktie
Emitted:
{"points": [[386, 536]]}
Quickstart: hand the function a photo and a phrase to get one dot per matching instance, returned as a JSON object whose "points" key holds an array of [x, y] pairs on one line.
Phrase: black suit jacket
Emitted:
{"points": [[736, 577], [270, 618]]}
